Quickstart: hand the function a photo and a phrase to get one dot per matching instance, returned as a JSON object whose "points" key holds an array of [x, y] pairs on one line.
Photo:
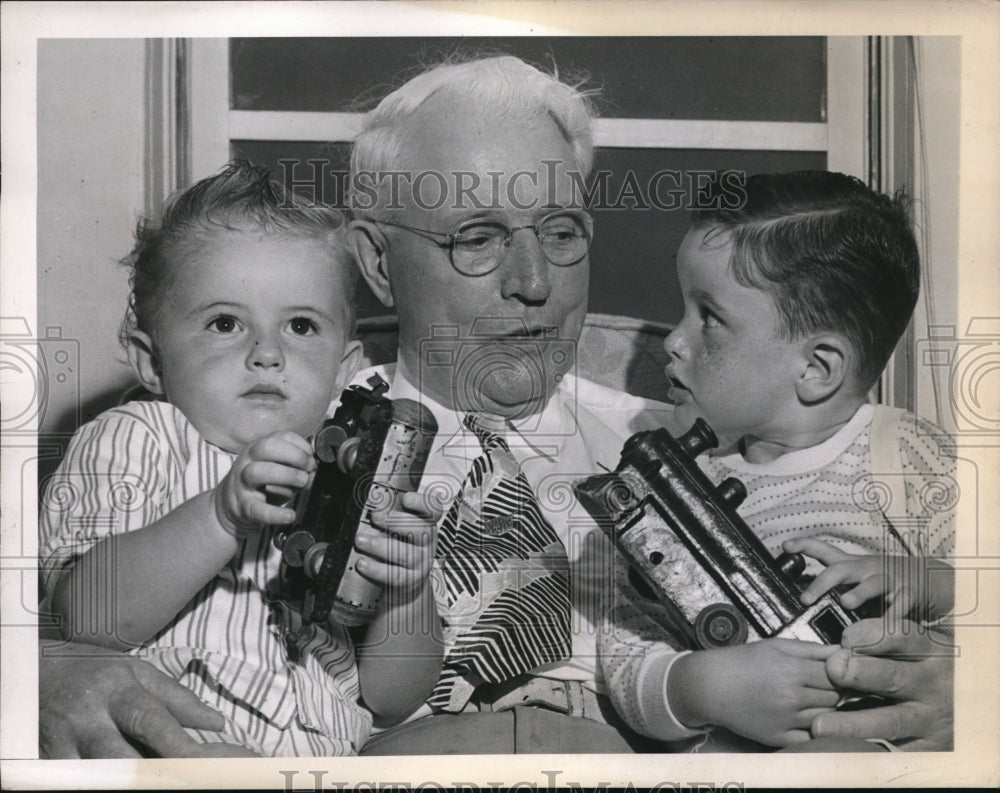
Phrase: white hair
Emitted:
{"points": [[503, 85]]}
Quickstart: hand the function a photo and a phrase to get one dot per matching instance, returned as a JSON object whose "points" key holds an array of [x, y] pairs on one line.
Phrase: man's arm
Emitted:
{"points": [[94, 704], [913, 668]]}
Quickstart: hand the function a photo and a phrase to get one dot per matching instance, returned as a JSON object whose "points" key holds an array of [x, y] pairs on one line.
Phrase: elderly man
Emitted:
{"points": [[467, 221], [489, 275]]}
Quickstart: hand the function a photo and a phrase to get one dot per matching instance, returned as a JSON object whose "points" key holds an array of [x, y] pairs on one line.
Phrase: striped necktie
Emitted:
{"points": [[505, 579]]}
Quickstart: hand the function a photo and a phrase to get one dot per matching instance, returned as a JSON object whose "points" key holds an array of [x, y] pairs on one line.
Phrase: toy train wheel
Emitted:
{"points": [[720, 625]]}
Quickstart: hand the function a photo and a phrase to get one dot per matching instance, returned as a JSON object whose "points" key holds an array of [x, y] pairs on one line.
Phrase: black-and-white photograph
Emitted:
{"points": [[613, 385]]}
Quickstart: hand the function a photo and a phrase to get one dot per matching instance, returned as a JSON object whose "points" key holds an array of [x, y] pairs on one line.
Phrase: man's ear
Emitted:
{"points": [[142, 357], [368, 244], [349, 365], [827, 359]]}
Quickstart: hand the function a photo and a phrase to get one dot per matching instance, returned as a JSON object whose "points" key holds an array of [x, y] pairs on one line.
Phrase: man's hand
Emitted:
{"points": [[95, 704], [770, 691], [270, 470], [913, 667], [399, 552]]}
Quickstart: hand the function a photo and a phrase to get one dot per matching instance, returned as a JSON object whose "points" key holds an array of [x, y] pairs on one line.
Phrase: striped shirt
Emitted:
{"points": [[126, 469], [832, 492]]}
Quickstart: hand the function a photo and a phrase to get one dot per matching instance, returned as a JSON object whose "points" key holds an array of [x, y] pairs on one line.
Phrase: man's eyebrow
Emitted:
{"points": [[486, 213], [548, 209], [502, 215]]}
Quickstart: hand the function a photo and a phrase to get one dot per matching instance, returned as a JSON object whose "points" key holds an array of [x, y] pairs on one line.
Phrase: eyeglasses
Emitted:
{"points": [[479, 246]]}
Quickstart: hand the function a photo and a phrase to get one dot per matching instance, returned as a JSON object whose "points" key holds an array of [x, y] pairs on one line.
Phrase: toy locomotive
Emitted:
{"points": [[694, 554], [370, 452]]}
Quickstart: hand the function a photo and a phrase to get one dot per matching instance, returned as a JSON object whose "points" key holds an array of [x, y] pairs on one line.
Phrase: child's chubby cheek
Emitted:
{"points": [[708, 363]]}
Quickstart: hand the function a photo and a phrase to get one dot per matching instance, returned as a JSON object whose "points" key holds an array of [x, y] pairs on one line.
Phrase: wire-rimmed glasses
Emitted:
{"points": [[479, 245]]}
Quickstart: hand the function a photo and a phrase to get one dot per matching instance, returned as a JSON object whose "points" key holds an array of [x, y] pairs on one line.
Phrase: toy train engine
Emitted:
{"points": [[370, 452], [694, 554]]}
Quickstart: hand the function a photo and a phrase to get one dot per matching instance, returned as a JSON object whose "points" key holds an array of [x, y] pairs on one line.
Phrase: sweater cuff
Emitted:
{"points": [[654, 708]]}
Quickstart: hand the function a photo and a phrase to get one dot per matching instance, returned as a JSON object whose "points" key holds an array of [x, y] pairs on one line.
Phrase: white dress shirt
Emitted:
{"points": [[582, 427]]}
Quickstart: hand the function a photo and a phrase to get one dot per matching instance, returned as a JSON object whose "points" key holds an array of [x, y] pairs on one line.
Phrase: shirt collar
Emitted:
{"points": [[556, 420], [811, 458]]}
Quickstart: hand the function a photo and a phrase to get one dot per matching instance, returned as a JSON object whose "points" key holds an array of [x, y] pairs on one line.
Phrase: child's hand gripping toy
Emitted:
{"points": [[713, 575], [370, 452]]}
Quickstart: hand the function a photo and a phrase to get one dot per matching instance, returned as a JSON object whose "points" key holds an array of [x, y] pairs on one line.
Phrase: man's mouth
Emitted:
{"points": [[535, 332]]}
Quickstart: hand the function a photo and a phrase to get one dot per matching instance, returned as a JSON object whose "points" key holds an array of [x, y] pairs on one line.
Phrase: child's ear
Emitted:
{"points": [[145, 364], [827, 360], [368, 244], [350, 362]]}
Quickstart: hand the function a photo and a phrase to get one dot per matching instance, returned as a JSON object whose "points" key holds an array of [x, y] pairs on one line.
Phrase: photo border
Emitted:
{"points": [[975, 758]]}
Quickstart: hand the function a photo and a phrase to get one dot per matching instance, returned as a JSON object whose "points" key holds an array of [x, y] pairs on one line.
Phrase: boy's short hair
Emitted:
{"points": [[240, 198], [834, 254]]}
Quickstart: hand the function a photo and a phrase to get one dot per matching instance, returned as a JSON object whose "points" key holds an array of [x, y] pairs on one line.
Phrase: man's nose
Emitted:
{"points": [[266, 353], [525, 272]]}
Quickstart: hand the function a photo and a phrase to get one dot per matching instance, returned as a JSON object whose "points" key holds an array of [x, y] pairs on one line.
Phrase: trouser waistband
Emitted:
{"points": [[570, 697]]}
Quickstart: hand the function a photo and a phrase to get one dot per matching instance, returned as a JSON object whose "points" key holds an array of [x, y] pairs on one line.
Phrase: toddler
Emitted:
{"points": [[240, 322], [793, 303]]}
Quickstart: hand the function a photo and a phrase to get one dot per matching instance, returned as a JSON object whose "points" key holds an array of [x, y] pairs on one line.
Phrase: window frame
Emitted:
{"points": [[860, 134], [213, 124]]}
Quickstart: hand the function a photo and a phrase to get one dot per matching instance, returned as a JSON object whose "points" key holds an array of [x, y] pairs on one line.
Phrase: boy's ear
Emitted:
{"points": [[827, 365], [349, 365], [368, 244], [145, 364]]}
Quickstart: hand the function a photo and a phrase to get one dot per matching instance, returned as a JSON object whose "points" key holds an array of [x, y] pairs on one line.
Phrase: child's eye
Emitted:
{"points": [[709, 319], [301, 326], [224, 324]]}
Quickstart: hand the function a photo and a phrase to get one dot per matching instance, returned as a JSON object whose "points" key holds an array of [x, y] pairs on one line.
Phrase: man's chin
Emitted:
{"points": [[512, 395], [504, 380]]}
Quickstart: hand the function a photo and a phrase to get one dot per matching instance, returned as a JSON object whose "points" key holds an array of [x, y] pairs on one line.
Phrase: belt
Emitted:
{"points": [[563, 696]]}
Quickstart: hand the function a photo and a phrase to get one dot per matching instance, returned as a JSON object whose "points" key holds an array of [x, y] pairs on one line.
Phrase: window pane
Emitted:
{"points": [[713, 78], [633, 255], [633, 258]]}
